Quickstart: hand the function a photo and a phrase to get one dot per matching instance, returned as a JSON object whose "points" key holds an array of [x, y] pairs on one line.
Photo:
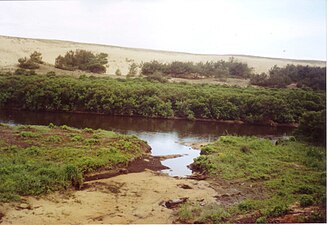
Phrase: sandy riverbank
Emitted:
{"points": [[128, 198]]}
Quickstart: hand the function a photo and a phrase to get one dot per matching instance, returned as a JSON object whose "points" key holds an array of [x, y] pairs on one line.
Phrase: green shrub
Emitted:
{"points": [[74, 175], [91, 141], [157, 76], [54, 139], [305, 189], [306, 200], [185, 212], [278, 210], [51, 74], [214, 214], [24, 72], [306, 77], [88, 130], [28, 134], [82, 60], [96, 136], [36, 57], [32, 62], [33, 151], [316, 217], [313, 127], [51, 125], [13, 149], [246, 205], [203, 163], [132, 70], [208, 149], [76, 138], [25, 63], [64, 127], [118, 72], [261, 219]]}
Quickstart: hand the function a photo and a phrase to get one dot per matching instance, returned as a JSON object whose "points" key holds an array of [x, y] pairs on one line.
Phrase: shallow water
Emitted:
{"points": [[164, 136]]}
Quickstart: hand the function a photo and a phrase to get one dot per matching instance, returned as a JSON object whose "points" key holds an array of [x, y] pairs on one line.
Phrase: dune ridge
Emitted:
{"points": [[12, 48]]}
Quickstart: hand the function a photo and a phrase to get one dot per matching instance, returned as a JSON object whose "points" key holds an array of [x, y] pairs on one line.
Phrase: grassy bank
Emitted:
{"points": [[36, 160], [272, 180]]}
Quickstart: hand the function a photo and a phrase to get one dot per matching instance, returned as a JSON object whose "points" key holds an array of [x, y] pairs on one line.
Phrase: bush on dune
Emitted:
{"points": [[82, 60]]}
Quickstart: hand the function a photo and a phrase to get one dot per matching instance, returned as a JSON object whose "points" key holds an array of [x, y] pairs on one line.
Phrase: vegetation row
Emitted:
{"points": [[299, 76], [138, 97]]}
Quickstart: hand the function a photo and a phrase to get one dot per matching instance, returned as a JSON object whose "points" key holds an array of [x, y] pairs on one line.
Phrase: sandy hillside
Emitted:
{"points": [[12, 48]]}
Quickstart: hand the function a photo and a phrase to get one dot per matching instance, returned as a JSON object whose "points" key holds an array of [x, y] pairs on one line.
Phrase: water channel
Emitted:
{"points": [[166, 137]]}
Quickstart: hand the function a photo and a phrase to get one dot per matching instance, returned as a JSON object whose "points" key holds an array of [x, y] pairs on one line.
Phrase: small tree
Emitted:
{"points": [[118, 72], [32, 62], [132, 70], [82, 60], [36, 57]]}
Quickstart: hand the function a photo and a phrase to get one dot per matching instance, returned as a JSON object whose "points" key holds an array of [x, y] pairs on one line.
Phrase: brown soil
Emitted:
{"points": [[298, 214], [232, 192], [13, 139], [138, 165], [195, 145]]}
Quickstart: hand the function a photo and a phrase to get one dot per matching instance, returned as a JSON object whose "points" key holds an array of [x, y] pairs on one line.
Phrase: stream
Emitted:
{"points": [[165, 136]]}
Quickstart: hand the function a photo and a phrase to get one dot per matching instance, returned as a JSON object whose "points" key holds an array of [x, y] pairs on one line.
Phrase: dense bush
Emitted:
{"points": [[313, 127], [132, 70], [190, 70], [302, 76], [31, 63], [139, 97], [24, 72], [36, 57], [82, 60]]}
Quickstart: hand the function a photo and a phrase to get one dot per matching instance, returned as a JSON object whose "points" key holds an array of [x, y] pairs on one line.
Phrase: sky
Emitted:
{"points": [[272, 28]]}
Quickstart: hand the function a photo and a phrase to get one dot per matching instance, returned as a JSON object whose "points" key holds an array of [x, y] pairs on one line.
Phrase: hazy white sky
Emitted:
{"points": [[273, 28]]}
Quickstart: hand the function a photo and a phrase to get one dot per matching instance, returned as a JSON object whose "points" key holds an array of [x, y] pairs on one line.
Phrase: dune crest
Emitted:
{"points": [[12, 48]]}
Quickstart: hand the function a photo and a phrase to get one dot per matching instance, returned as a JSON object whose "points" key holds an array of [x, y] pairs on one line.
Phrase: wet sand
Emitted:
{"points": [[127, 198]]}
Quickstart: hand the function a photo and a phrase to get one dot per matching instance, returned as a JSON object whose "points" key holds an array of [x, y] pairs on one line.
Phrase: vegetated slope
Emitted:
{"points": [[138, 97], [12, 48], [276, 183], [37, 160]]}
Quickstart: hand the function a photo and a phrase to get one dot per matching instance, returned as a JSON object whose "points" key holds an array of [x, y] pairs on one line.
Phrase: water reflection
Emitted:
{"points": [[164, 136]]}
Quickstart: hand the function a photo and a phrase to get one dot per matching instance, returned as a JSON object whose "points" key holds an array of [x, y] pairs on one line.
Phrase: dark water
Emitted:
{"points": [[164, 136]]}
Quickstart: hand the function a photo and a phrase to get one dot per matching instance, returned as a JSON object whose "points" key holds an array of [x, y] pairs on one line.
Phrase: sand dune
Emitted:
{"points": [[12, 48]]}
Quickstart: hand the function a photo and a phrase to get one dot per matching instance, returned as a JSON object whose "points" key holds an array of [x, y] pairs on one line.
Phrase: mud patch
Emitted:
{"points": [[114, 187], [184, 186], [297, 214], [1, 216], [149, 162], [233, 192], [195, 145], [152, 163]]}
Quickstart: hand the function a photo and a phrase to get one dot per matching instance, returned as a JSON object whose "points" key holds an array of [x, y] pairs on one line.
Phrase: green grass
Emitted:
{"points": [[36, 160], [291, 172]]}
